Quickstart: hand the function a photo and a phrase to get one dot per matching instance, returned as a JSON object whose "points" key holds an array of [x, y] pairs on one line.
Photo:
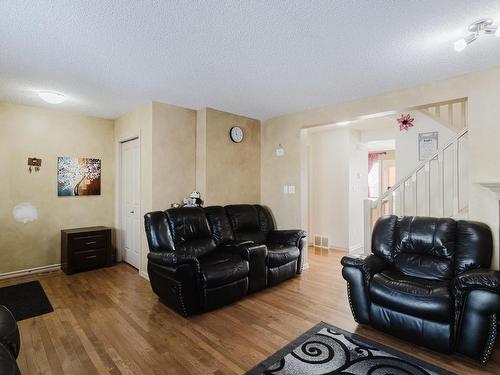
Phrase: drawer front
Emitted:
{"points": [[83, 260], [88, 242]]}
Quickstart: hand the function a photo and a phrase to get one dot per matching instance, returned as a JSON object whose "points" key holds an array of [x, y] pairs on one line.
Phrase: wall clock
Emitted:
{"points": [[236, 134]]}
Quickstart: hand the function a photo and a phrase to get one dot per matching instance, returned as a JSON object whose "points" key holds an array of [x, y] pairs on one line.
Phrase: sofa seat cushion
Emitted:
{"points": [[423, 298], [278, 255], [219, 268]]}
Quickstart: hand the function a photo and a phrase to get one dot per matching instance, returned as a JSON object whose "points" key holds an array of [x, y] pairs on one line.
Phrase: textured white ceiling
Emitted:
{"points": [[256, 58]]}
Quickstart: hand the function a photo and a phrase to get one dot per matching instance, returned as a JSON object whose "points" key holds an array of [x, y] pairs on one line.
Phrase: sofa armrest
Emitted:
{"points": [[286, 237], [233, 243], [481, 278], [477, 305], [171, 259], [246, 249], [256, 256], [176, 279], [358, 271], [368, 265]]}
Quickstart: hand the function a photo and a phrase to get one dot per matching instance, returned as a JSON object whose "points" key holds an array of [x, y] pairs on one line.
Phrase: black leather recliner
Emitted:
{"points": [[428, 281], [197, 262], [9, 343]]}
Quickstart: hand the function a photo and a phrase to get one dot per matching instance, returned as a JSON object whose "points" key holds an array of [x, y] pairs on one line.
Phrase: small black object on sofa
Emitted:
{"points": [[428, 281], [9, 342], [204, 258]]}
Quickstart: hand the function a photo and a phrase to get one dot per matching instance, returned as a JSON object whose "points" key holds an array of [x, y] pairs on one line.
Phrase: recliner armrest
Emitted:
{"points": [[245, 249], [477, 304], [369, 265], [171, 259], [256, 256], [237, 243], [481, 278], [286, 237]]}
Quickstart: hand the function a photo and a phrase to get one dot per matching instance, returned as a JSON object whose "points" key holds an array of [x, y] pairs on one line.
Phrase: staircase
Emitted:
{"points": [[436, 187]]}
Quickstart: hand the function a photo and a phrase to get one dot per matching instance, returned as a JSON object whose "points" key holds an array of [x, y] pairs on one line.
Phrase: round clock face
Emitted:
{"points": [[236, 134]]}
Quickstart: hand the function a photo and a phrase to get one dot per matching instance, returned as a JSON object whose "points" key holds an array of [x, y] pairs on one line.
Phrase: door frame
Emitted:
{"points": [[118, 198]]}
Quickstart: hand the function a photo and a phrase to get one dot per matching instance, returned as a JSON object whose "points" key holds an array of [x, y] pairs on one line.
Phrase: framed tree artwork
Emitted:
{"points": [[78, 176]]}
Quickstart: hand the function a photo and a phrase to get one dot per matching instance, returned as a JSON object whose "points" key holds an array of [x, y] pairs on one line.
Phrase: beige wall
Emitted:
{"points": [[227, 172], [174, 148], [35, 132], [167, 138], [481, 88], [329, 186], [139, 123]]}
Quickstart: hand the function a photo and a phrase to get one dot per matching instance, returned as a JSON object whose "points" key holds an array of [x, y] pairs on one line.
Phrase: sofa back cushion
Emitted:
{"points": [[266, 221], [158, 232], [190, 231], [474, 246], [244, 219], [425, 247], [219, 224]]}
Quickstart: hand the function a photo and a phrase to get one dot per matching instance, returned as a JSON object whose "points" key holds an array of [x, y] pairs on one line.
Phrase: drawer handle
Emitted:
{"points": [[91, 243], [91, 257]]}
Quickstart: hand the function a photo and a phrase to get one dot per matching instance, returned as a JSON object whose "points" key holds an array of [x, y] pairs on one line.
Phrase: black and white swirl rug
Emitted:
{"points": [[326, 349]]}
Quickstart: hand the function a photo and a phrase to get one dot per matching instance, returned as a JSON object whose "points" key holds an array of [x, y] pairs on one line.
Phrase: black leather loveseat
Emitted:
{"points": [[204, 258], [428, 281]]}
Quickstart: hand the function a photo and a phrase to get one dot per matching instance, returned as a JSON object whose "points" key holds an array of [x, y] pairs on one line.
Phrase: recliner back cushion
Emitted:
{"points": [[474, 246], [158, 232], [219, 224], [266, 221], [190, 231], [383, 237], [244, 219], [425, 247]]}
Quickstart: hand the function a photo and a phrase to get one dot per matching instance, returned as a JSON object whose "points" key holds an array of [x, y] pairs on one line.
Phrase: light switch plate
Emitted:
{"points": [[285, 189]]}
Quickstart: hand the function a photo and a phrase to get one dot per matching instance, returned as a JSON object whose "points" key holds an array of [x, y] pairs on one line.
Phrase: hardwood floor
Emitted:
{"points": [[108, 321]]}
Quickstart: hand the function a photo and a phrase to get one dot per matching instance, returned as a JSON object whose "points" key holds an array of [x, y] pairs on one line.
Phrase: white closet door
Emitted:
{"points": [[130, 202]]}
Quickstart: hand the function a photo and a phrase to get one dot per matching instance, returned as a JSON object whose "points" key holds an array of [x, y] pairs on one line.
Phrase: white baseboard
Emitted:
{"points": [[305, 266], [30, 271], [144, 275]]}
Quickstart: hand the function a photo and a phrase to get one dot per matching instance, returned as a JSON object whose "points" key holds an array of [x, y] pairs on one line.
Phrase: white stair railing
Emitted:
{"points": [[436, 187], [451, 113]]}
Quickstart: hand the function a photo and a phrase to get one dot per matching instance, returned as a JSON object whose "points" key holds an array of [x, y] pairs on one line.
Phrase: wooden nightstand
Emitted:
{"points": [[83, 249]]}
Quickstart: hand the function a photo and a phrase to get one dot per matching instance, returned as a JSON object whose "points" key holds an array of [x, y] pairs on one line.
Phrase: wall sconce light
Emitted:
{"points": [[34, 164], [280, 151]]}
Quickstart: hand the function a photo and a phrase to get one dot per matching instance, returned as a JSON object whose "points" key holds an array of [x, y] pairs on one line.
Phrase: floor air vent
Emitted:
{"points": [[321, 241]]}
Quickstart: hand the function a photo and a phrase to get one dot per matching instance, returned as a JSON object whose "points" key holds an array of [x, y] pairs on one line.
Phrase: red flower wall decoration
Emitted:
{"points": [[405, 122]]}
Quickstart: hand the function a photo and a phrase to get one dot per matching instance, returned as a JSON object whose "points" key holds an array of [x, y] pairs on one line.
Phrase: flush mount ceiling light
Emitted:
{"points": [[52, 97], [478, 28]]}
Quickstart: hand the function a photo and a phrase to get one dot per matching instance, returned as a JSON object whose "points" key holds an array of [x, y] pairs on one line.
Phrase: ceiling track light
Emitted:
{"points": [[477, 28]]}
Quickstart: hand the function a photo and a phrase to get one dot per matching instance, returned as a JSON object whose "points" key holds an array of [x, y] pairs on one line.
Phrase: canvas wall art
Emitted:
{"points": [[78, 176]]}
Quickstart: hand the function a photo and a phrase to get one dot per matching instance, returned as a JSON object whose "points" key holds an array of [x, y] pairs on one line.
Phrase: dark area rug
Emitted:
{"points": [[25, 300], [326, 349]]}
